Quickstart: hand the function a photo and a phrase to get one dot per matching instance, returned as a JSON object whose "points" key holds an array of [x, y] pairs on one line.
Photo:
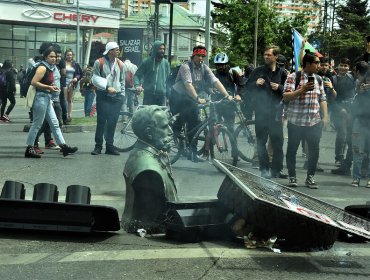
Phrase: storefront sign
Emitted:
{"points": [[73, 17], [131, 44], [36, 14]]}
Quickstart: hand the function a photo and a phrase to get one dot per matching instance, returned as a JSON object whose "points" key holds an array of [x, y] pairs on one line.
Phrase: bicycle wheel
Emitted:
{"points": [[177, 148], [124, 137], [246, 139], [202, 137], [224, 146]]}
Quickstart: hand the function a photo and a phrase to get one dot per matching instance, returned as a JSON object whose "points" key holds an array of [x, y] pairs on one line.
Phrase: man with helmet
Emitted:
{"points": [[193, 80], [228, 80]]}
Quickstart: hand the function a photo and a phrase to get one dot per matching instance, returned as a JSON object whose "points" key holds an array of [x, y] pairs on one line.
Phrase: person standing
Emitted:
{"points": [[87, 89], [109, 79], [265, 90], [7, 90], [73, 75], [130, 92], [155, 71], [46, 85], [303, 114]]}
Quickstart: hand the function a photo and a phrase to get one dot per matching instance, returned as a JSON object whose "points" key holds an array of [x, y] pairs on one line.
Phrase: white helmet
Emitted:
{"points": [[221, 58]]}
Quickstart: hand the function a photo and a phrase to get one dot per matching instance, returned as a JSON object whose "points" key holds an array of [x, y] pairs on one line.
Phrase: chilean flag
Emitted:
{"points": [[297, 43]]}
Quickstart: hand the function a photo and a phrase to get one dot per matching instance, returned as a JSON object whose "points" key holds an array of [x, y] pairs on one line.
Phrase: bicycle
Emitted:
{"points": [[245, 136], [213, 138]]}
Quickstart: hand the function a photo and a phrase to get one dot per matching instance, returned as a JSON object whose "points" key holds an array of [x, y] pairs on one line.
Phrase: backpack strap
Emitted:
{"points": [[101, 63], [297, 79]]}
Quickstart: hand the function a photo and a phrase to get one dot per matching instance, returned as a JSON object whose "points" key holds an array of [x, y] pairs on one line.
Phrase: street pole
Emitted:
{"points": [[156, 20], [170, 34], [256, 35], [207, 37], [78, 33]]}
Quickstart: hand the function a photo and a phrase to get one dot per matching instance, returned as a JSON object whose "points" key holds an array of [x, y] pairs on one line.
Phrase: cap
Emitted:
{"points": [[281, 59], [110, 46]]}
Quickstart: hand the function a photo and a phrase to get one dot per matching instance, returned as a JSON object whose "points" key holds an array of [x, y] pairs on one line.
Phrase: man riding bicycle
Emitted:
{"points": [[192, 84], [225, 111]]}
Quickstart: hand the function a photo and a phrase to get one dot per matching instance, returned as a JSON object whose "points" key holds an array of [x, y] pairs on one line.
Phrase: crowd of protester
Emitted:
{"points": [[318, 95]]}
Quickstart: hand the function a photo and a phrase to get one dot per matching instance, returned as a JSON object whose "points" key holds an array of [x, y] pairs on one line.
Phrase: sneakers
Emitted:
{"points": [[356, 183], [112, 151], [310, 182], [368, 184], [67, 150], [2, 119], [38, 150], [342, 170], [31, 153], [96, 151], [6, 117], [51, 145], [292, 182], [265, 174]]}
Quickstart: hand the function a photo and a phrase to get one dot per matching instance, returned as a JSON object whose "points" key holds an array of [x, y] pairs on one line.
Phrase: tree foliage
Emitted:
{"points": [[348, 40], [235, 20]]}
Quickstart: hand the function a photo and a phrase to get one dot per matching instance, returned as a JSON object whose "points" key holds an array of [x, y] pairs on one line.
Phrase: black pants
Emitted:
{"points": [[4, 99], [154, 99], [312, 135], [273, 129], [107, 109], [189, 115]]}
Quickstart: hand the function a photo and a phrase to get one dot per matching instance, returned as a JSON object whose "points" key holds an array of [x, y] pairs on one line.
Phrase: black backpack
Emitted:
{"points": [[172, 78], [27, 78], [2, 79]]}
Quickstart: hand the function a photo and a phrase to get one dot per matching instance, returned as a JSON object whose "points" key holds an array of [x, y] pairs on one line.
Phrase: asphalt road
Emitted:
{"points": [[38, 255]]}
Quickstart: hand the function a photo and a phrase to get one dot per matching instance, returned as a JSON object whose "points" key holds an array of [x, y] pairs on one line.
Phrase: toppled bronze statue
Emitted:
{"points": [[148, 176]]}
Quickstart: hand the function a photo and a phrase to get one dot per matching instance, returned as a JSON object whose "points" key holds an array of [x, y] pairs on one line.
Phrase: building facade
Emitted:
{"points": [[25, 25]]}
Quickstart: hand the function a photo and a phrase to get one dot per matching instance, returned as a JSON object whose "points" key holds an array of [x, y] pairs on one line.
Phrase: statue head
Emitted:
{"points": [[150, 124]]}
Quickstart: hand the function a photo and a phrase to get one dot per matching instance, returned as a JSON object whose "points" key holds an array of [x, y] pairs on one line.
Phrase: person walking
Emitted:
{"points": [[7, 90], [42, 108], [155, 71], [303, 114], [109, 79]]}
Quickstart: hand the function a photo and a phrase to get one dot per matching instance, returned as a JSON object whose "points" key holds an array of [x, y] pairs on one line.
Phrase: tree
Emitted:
{"points": [[349, 39], [236, 24]]}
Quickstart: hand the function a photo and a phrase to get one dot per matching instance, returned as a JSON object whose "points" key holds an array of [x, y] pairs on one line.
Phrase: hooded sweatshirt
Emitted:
{"points": [[154, 73]]}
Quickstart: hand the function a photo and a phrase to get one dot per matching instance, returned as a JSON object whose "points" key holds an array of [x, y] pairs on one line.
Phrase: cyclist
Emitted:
{"points": [[228, 78], [193, 81]]}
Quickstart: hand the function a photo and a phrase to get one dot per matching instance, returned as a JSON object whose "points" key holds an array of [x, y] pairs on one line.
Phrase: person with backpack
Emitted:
{"points": [[109, 79], [344, 85], [306, 100], [154, 72], [46, 85], [7, 90], [87, 88], [193, 80], [130, 92]]}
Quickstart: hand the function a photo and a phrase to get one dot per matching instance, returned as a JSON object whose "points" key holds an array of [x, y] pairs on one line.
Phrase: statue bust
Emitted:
{"points": [[147, 173]]}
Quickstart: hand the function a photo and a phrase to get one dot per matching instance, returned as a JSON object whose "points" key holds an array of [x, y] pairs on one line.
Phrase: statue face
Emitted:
{"points": [[161, 135]]}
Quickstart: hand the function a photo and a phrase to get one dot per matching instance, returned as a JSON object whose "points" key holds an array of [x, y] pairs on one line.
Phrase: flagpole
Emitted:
{"points": [[256, 35]]}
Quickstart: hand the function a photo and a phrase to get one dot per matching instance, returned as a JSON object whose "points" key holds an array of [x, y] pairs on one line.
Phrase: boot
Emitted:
{"points": [[31, 153], [66, 150]]}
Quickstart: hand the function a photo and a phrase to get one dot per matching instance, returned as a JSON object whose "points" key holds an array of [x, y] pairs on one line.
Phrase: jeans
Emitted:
{"points": [[42, 109], [63, 105], [361, 144], [343, 126], [274, 129], [312, 135], [107, 109], [128, 103], [4, 100], [89, 100]]}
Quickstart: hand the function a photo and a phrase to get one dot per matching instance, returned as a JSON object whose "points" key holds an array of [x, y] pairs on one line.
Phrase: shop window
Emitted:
{"points": [[5, 54], [26, 33], [66, 36], [45, 34], [5, 31], [6, 44]]}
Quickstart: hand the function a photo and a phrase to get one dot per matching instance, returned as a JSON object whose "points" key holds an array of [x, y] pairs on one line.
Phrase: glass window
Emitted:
{"points": [[5, 31], [26, 33], [66, 36], [183, 42], [5, 54], [45, 34], [6, 44]]}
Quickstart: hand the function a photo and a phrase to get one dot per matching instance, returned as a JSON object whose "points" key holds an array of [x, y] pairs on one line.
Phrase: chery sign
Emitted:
{"points": [[73, 17]]}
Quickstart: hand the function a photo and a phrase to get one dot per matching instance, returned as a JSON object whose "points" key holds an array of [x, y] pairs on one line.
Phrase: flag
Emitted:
{"points": [[297, 43]]}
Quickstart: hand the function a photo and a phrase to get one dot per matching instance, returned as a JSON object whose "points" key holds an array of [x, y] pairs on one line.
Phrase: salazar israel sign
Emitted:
{"points": [[131, 44]]}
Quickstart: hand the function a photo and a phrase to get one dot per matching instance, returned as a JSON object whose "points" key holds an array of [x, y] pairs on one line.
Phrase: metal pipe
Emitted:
{"points": [[78, 33], [207, 35]]}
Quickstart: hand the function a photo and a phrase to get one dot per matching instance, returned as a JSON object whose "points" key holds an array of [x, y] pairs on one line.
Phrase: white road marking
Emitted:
{"points": [[175, 253]]}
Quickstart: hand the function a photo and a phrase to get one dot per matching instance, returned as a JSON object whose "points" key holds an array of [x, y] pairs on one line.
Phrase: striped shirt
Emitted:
{"points": [[305, 109]]}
